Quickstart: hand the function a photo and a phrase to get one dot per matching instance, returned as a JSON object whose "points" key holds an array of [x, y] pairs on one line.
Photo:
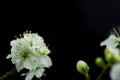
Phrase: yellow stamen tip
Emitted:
{"points": [[26, 31], [20, 35], [30, 31]]}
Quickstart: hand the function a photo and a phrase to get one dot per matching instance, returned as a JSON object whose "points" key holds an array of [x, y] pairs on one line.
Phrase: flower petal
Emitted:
{"points": [[114, 51], [29, 63], [46, 61], [8, 56], [115, 72], [29, 76], [39, 72], [19, 65], [110, 41]]}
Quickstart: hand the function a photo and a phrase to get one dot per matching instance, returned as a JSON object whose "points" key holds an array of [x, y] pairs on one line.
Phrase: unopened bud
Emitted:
{"points": [[112, 55], [99, 62], [82, 67], [108, 57]]}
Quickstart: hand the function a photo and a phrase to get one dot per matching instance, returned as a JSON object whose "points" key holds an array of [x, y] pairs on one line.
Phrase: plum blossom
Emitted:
{"points": [[30, 52]]}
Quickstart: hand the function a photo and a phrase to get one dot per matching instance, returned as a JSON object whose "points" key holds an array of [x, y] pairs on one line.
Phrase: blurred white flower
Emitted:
{"points": [[115, 72], [112, 50], [111, 41]]}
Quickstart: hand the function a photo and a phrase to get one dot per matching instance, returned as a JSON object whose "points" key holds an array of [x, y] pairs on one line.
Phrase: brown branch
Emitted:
{"points": [[88, 77], [7, 74]]}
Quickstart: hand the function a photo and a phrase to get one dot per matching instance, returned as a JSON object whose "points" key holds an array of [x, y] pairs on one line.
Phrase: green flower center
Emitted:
{"points": [[25, 55], [31, 43]]}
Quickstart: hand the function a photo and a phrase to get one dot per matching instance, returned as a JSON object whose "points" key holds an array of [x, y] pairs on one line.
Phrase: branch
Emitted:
{"points": [[88, 77], [103, 72], [7, 74]]}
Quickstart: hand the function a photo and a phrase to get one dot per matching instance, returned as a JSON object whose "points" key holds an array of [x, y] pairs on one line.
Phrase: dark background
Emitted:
{"points": [[73, 29]]}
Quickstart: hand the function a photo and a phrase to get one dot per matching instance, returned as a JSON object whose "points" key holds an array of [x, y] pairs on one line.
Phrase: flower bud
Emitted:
{"points": [[112, 55], [99, 62], [82, 67]]}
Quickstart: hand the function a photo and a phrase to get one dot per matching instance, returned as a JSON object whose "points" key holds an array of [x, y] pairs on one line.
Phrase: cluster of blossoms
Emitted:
{"points": [[112, 54], [31, 53]]}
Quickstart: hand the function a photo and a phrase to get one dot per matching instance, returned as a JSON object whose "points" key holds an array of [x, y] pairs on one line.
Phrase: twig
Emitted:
{"points": [[105, 69], [7, 74], [88, 77]]}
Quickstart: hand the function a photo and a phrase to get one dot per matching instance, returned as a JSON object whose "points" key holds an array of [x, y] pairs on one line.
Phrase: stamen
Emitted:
{"points": [[26, 31], [116, 33], [20, 35], [30, 31]]}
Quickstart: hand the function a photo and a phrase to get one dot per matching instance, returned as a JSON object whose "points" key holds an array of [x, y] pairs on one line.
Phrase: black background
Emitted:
{"points": [[73, 30]]}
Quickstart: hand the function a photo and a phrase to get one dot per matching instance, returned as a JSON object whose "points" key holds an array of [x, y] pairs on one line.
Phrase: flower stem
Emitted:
{"points": [[103, 72], [7, 74], [88, 77]]}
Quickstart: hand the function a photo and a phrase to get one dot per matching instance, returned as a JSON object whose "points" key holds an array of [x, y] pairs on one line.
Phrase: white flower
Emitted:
{"points": [[30, 52], [37, 43], [112, 55], [38, 72], [22, 55], [115, 72], [34, 40], [111, 41]]}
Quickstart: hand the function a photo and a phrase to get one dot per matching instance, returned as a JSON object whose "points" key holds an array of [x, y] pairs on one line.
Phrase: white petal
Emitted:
{"points": [[13, 60], [15, 57], [29, 64], [110, 41], [29, 76], [19, 65], [9, 56], [46, 61], [114, 51], [24, 74], [39, 72], [115, 72]]}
